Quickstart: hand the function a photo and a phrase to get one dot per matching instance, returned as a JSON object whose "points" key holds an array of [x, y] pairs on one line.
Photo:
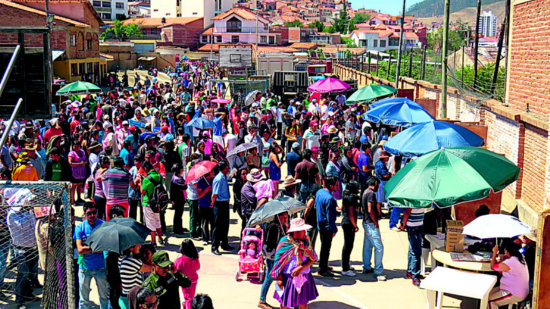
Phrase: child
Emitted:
{"points": [[251, 251], [188, 264]]}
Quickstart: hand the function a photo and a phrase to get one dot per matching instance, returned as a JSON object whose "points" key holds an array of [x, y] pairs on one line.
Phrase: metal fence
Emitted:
{"points": [[36, 247]]}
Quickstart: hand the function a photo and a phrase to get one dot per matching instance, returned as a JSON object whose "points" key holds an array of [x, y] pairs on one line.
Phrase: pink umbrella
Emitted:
{"points": [[198, 170], [328, 85], [221, 101]]}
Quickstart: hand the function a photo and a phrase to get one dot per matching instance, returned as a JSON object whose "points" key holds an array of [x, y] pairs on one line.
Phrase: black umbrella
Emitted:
{"points": [[269, 210], [117, 235], [241, 148]]}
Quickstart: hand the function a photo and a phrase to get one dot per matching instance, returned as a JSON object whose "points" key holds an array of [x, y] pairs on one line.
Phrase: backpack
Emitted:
{"points": [[158, 201]]}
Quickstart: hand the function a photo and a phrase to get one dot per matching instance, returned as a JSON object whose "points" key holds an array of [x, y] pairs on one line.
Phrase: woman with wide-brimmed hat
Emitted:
{"points": [[292, 270]]}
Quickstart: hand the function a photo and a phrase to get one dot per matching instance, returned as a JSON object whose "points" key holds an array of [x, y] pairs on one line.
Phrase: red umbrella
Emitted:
{"points": [[198, 170]]}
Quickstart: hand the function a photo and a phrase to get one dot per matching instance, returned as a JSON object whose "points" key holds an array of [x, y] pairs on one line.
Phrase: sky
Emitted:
{"points": [[394, 7]]}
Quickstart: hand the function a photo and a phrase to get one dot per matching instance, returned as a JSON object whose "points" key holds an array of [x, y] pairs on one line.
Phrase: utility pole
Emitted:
{"points": [[462, 68], [476, 42], [443, 101], [399, 52], [500, 43]]}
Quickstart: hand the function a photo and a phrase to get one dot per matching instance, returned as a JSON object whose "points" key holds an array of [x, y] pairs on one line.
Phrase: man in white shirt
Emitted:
{"points": [[230, 141], [311, 136], [252, 137], [279, 113], [313, 107], [324, 112]]}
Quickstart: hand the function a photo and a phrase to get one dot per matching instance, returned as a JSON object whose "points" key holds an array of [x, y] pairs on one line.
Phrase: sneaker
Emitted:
{"points": [[264, 305], [395, 229], [416, 282], [349, 273], [381, 277], [368, 271]]}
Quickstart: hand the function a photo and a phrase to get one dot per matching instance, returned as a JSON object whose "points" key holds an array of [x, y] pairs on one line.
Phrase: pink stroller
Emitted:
{"points": [[251, 261]]}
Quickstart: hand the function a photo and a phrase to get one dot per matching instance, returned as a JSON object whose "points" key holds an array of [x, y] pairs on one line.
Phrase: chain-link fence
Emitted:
{"points": [[36, 248]]}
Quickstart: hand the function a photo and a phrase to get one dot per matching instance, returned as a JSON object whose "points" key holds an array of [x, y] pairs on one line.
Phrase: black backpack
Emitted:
{"points": [[158, 201]]}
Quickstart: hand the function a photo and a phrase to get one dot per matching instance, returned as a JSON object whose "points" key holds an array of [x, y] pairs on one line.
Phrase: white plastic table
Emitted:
{"points": [[447, 280]]}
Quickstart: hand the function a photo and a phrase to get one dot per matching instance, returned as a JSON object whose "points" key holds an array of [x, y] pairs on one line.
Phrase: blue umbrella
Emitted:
{"points": [[394, 100], [425, 137], [402, 113], [201, 123]]}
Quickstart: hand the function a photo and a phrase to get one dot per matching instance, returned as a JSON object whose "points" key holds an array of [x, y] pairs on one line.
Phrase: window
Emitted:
{"points": [[234, 58], [82, 68], [74, 69], [235, 39], [233, 25], [263, 39], [120, 16], [97, 3], [89, 44], [167, 14], [375, 43], [73, 39], [89, 67], [119, 5], [271, 40], [106, 4], [394, 42], [218, 38], [155, 10], [363, 43], [204, 39], [106, 16], [382, 43], [266, 27]]}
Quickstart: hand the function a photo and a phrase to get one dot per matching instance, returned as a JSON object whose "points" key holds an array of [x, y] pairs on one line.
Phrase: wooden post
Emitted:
{"points": [[423, 63], [388, 71], [369, 62], [411, 58]]}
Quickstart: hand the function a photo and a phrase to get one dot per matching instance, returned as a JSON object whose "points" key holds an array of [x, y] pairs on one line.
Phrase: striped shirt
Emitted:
{"points": [[416, 217], [129, 273], [115, 185]]}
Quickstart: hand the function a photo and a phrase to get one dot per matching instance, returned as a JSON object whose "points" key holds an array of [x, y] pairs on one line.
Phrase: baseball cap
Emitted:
{"points": [[161, 259]]}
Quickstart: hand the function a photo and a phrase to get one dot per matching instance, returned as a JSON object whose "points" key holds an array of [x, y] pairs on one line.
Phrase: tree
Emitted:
{"points": [[359, 18], [317, 24], [295, 23], [122, 32], [349, 42], [435, 39]]}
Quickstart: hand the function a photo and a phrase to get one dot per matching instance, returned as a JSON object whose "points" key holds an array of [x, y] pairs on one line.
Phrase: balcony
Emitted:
{"points": [[240, 30]]}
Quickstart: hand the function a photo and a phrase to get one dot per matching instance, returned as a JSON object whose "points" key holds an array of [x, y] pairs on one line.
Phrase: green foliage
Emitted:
{"points": [[122, 32], [295, 23], [429, 8], [485, 79], [455, 41], [317, 24], [349, 42], [359, 18]]}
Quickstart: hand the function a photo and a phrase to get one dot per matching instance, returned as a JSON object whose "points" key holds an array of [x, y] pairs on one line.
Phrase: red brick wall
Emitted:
{"points": [[186, 36], [534, 166], [530, 47], [294, 35]]}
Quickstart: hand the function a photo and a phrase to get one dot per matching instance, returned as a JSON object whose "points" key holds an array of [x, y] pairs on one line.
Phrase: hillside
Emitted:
{"points": [[468, 15], [431, 8]]}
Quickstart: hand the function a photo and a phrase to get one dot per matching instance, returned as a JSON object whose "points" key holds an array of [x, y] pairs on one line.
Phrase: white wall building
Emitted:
{"points": [[239, 26], [487, 24], [165, 8], [111, 9], [381, 40]]}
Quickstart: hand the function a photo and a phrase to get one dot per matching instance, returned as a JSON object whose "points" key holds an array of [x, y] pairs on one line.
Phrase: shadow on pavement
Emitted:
{"points": [[331, 304], [339, 280]]}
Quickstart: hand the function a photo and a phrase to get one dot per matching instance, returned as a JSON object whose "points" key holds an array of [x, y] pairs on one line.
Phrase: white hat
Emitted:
{"points": [[298, 224]]}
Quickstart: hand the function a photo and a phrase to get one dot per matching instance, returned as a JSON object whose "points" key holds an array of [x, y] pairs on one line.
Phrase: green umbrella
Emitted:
{"points": [[450, 176], [79, 87], [369, 93]]}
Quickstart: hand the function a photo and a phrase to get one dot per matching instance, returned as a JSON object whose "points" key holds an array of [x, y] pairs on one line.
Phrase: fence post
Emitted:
{"points": [[69, 251], [411, 58], [389, 69], [423, 63]]}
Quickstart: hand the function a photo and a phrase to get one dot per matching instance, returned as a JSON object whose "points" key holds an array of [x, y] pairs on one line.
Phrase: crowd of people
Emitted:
{"points": [[120, 149]]}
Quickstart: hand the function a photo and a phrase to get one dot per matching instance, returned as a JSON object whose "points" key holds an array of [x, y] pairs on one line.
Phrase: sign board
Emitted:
{"points": [[235, 56]]}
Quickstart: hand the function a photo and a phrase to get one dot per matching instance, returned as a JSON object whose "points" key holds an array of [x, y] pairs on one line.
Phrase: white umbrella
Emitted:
{"points": [[496, 226]]}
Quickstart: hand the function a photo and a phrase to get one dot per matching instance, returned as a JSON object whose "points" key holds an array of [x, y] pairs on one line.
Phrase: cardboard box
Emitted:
{"points": [[455, 239]]}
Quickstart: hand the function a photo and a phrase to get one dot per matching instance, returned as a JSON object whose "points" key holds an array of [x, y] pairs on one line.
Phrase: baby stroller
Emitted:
{"points": [[251, 262]]}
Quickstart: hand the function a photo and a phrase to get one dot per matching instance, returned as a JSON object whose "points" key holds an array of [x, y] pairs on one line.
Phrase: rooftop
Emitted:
{"points": [[157, 22]]}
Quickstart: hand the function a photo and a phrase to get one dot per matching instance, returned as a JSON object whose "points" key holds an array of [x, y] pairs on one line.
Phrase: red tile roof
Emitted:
{"points": [[246, 14], [43, 13], [157, 21], [302, 45]]}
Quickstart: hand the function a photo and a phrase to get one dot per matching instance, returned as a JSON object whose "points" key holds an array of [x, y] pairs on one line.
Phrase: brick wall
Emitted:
{"points": [[530, 47], [186, 35], [534, 167]]}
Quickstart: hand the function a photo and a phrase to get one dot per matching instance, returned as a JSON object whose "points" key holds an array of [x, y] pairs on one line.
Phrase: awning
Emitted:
{"points": [[147, 58], [56, 54]]}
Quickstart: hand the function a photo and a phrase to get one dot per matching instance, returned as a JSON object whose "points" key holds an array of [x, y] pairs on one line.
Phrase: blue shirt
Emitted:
{"points": [[221, 188], [380, 169], [206, 200], [127, 156], [218, 126], [325, 204], [364, 160], [91, 260], [292, 159]]}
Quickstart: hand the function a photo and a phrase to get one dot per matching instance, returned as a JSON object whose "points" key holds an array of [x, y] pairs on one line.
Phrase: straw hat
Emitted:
{"points": [[255, 176], [332, 129], [298, 224], [290, 181]]}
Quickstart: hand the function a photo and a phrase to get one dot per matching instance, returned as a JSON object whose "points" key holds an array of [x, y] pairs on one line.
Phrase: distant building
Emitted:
{"points": [[206, 9], [172, 31], [487, 24], [240, 26], [111, 9], [139, 9]]}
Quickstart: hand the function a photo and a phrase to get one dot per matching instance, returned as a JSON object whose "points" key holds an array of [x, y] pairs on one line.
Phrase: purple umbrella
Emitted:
{"points": [[328, 85], [221, 101]]}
